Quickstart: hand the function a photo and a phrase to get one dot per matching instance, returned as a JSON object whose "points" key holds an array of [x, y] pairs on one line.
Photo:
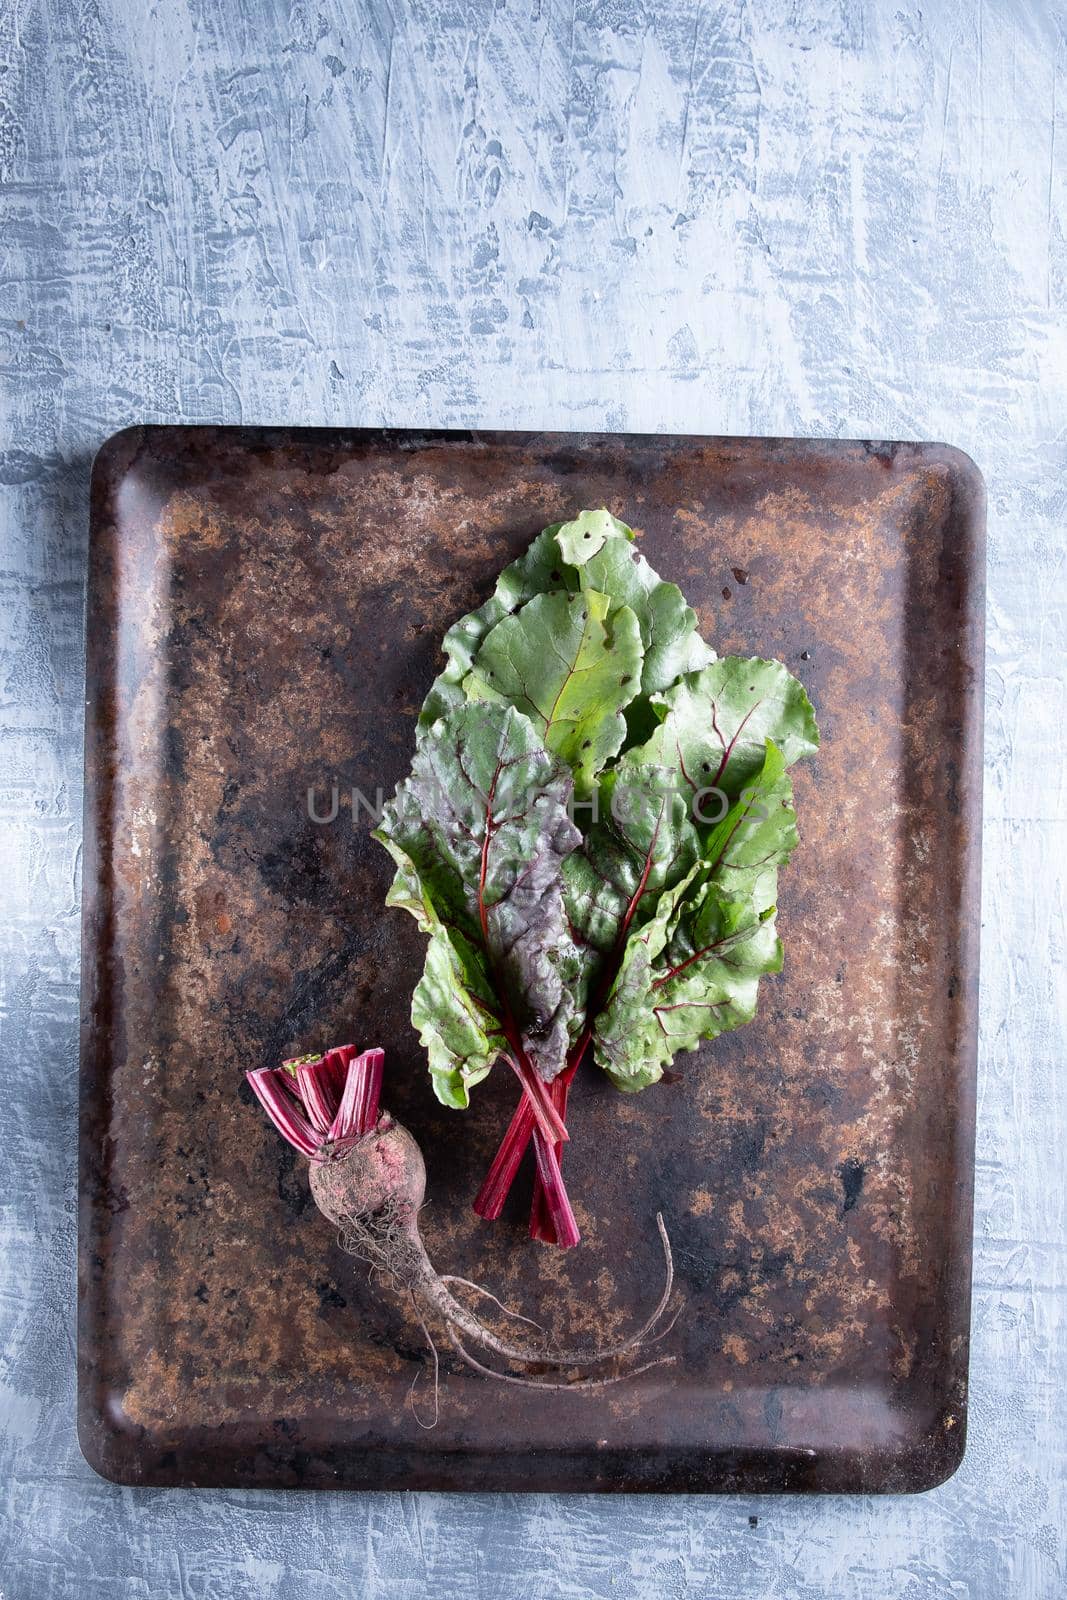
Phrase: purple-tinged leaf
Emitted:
{"points": [[483, 822]]}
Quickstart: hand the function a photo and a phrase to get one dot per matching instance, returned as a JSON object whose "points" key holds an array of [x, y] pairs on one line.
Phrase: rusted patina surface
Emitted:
{"points": [[265, 616]]}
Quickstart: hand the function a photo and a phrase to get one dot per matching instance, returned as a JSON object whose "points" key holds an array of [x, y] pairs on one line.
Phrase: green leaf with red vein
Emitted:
{"points": [[642, 842], [716, 722], [692, 972]]}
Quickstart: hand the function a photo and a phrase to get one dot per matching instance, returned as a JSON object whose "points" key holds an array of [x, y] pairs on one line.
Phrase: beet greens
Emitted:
{"points": [[590, 838]]}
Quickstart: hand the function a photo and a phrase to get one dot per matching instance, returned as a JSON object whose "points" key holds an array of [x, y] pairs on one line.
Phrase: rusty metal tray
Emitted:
{"points": [[265, 610]]}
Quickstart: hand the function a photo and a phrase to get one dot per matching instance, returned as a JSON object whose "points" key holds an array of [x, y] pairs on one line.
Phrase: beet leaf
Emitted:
{"points": [[479, 833], [692, 971], [570, 663], [601, 550], [715, 725]]}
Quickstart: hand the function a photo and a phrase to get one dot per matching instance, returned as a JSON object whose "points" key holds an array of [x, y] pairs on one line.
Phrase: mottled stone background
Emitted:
{"points": [[824, 218]]}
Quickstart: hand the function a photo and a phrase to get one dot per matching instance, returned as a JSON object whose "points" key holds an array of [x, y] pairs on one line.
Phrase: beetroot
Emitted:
{"points": [[384, 1171], [368, 1178]]}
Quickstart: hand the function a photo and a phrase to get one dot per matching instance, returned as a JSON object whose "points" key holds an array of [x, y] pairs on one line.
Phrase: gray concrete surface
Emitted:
{"points": [[774, 217]]}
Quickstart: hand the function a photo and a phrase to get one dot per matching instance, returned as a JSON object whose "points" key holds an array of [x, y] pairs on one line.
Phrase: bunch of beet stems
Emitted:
{"points": [[552, 1220], [551, 1216], [543, 1107]]}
